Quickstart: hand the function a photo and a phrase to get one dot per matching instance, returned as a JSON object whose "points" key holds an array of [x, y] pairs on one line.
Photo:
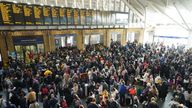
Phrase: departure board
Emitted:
{"points": [[38, 14], [99, 20], [62, 16], [88, 17], [7, 13], [18, 14], [94, 17], [55, 15], [47, 15], [28, 14], [70, 16], [77, 20], [82, 15]]}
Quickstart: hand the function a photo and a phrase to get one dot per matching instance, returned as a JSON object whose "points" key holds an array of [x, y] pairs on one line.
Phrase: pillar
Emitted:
{"points": [[3, 48]]}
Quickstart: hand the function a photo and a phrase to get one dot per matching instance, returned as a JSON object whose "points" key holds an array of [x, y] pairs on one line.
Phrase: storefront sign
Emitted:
{"points": [[27, 40]]}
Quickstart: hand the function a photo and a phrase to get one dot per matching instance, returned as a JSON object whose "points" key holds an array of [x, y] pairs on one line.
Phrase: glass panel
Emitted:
{"points": [[100, 4], [105, 5], [19, 52], [117, 5], [122, 6], [116, 37], [111, 5], [86, 39], [40, 48], [94, 4], [79, 4], [126, 9], [86, 3], [61, 3], [130, 37]]}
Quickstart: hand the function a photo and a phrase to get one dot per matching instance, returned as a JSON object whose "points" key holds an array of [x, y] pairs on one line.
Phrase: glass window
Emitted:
{"points": [[86, 39], [117, 5], [126, 9], [95, 39], [94, 4], [79, 4], [130, 37], [116, 37], [122, 6], [86, 4], [111, 5]]}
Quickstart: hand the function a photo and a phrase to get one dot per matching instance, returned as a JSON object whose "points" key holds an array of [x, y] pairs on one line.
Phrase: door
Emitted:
{"points": [[23, 51]]}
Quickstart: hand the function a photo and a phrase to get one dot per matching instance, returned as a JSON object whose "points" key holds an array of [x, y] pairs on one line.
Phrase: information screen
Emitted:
{"points": [[47, 15], [94, 17], [28, 14], [77, 20], [38, 14], [70, 20], [62, 16], [7, 13], [82, 15], [88, 17], [55, 15], [18, 14]]}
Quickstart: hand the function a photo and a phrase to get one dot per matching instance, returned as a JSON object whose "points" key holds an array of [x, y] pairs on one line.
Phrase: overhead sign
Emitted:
{"points": [[38, 14], [28, 14], [6, 12], [55, 15], [47, 15], [18, 14]]}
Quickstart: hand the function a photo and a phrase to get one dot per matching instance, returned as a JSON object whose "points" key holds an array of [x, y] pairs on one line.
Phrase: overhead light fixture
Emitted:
{"points": [[62, 6], [41, 4], [28, 3], [14, 1], [51, 5]]}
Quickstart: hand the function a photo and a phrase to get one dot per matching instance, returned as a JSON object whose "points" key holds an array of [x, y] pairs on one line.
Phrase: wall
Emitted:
{"points": [[6, 38]]}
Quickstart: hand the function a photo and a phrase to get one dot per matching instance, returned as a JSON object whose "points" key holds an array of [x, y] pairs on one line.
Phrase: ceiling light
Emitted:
{"points": [[14, 1]]}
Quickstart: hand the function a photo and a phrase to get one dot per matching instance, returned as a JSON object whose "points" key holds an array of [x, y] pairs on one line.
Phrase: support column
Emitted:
{"points": [[80, 40], [3, 48]]}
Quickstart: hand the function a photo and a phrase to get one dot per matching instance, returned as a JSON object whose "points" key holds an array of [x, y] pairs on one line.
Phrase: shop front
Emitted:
{"points": [[65, 40], [28, 47], [95, 38], [132, 36], [116, 37]]}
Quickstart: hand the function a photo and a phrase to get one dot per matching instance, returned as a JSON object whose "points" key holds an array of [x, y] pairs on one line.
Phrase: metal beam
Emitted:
{"points": [[163, 13], [140, 4], [181, 16], [133, 9]]}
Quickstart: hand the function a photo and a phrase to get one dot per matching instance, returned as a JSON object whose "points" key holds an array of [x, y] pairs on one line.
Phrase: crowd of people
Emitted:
{"points": [[133, 75]]}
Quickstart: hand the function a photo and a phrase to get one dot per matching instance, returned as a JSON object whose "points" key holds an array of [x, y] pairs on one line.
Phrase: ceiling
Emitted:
{"points": [[165, 12], [153, 12]]}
